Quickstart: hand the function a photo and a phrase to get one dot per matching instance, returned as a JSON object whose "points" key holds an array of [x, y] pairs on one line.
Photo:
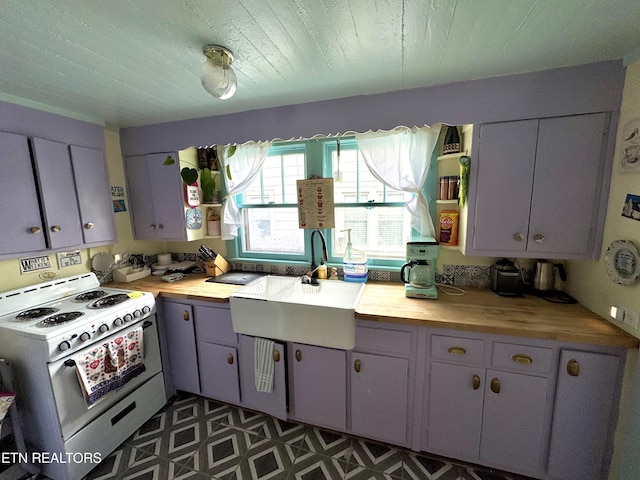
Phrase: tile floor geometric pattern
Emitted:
{"points": [[196, 438]]}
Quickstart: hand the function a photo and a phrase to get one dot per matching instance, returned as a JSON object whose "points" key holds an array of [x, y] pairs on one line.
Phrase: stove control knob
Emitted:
{"points": [[128, 317], [103, 328], [117, 322], [65, 345], [146, 310], [137, 313], [84, 336]]}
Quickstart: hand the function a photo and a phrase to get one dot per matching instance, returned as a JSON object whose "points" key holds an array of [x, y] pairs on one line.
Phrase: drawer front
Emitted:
{"points": [[457, 349], [214, 325], [382, 340], [522, 357]]}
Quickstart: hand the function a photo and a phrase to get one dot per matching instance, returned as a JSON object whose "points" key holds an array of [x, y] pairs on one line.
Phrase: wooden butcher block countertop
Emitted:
{"points": [[478, 310]]}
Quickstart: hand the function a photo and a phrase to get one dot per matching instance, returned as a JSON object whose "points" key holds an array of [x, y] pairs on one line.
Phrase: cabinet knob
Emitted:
{"points": [[56, 228], [475, 382], [518, 237], [185, 315], [457, 351], [357, 365], [495, 385], [522, 359], [160, 226], [35, 230], [276, 356], [88, 225], [573, 368], [538, 238], [230, 359], [298, 355], [152, 226]]}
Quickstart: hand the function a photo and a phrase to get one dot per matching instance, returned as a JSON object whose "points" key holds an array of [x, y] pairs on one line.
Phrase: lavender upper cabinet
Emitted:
{"points": [[318, 385], [156, 197], [22, 229], [94, 196], [539, 188], [177, 323], [583, 421], [217, 353]]}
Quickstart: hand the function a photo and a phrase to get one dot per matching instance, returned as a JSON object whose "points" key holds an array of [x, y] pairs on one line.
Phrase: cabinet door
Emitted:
{"points": [[275, 402], [219, 372], [566, 190], [580, 430], [506, 159], [379, 396], [22, 229], [455, 410], [58, 192], [167, 193], [140, 202], [181, 343], [514, 418], [94, 195], [318, 384]]}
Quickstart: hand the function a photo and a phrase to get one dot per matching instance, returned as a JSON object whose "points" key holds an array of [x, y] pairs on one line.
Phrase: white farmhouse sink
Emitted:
{"points": [[283, 308]]}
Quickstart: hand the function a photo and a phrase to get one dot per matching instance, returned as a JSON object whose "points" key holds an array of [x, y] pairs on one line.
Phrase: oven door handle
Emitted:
{"points": [[70, 363], [147, 324]]}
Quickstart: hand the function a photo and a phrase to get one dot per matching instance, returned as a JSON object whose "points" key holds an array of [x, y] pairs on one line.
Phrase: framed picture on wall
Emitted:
{"points": [[630, 148], [631, 207]]}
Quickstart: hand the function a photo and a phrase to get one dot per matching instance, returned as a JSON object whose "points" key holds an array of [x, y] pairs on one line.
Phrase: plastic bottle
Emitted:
{"points": [[322, 271], [354, 263]]}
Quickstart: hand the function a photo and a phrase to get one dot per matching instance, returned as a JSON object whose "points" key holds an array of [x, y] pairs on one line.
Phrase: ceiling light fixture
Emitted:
{"points": [[217, 75]]}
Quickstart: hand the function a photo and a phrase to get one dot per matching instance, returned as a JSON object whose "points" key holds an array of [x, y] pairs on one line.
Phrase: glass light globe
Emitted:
{"points": [[217, 75]]}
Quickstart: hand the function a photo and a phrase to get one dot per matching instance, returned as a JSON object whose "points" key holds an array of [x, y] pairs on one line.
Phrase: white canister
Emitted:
{"points": [[213, 228], [164, 259]]}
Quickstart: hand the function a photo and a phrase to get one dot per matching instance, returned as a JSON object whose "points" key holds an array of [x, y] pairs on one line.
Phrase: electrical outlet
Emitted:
{"points": [[632, 318]]}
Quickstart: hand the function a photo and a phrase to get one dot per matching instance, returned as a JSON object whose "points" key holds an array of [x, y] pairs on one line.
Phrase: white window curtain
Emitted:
{"points": [[400, 159], [239, 170]]}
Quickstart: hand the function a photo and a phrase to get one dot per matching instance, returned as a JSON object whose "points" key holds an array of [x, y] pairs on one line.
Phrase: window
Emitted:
{"points": [[379, 223]]}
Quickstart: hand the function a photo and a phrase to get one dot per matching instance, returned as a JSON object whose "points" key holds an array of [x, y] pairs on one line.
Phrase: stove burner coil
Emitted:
{"points": [[109, 301], [59, 319], [35, 313], [88, 296]]}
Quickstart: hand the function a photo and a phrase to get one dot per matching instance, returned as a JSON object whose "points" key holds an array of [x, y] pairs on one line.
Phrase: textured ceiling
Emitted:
{"points": [[135, 62]]}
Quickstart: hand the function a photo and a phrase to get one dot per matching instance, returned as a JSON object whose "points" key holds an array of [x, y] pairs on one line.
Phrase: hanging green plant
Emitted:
{"points": [[169, 161], [208, 184], [230, 151], [189, 175]]}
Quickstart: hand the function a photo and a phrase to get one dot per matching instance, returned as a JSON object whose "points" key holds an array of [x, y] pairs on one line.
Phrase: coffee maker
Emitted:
{"points": [[419, 273]]}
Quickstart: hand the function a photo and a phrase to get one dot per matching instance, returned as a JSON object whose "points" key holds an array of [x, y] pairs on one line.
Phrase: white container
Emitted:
{"points": [[354, 263], [164, 259], [129, 274], [213, 228]]}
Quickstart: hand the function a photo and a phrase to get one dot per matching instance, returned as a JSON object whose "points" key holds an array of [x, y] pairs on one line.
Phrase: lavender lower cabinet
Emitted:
{"points": [[582, 426], [177, 323], [379, 397], [318, 385], [275, 402]]}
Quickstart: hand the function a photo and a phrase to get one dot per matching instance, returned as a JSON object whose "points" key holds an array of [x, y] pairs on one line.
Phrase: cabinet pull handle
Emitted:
{"points": [[35, 230], [475, 382], [522, 359], [573, 368], [298, 355], [538, 238], [457, 351], [357, 365], [495, 385], [88, 225], [230, 359], [185, 315], [518, 237], [56, 228], [276, 356]]}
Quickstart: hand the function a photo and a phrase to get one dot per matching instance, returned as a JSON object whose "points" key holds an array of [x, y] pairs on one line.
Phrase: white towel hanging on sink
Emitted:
{"points": [[263, 364]]}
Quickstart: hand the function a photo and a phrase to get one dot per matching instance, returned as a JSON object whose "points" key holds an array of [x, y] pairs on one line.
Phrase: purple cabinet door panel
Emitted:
{"points": [[141, 207], [379, 397], [456, 396], [94, 195], [58, 191], [167, 195], [219, 372], [566, 190], [581, 428], [181, 343], [22, 229], [318, 384], [504, 182]]}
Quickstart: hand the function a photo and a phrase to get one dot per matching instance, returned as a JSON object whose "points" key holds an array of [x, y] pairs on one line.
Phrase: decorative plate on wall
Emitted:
{"points": [[622, 262], [194, 218]]}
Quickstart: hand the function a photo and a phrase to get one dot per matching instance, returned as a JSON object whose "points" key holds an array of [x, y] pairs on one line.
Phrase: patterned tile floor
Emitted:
{"points": [[196, 438]]}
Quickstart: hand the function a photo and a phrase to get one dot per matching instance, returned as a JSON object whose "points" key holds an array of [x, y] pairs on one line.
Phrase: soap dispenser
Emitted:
{"points": [[354, 262]]}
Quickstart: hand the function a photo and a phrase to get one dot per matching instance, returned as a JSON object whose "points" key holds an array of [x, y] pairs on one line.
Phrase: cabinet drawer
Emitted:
{"points": [[522, 357], [382, 340], [458, 349], [214, 325]]}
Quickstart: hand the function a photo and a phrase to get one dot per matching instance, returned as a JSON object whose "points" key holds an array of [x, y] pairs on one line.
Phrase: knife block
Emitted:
{"points": [[217, 266]]}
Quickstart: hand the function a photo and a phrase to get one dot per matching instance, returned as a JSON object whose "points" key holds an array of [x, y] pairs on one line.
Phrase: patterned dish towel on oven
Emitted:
{"points": [[110, 365]]}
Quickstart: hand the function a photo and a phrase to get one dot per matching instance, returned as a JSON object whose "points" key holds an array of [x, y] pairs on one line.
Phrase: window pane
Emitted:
{"points": [[272, 230], [277, 180], [379, 231]]}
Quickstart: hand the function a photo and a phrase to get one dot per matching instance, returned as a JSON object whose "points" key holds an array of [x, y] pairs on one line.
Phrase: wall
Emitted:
{"points": [[589, 283]]}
